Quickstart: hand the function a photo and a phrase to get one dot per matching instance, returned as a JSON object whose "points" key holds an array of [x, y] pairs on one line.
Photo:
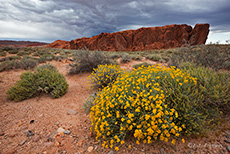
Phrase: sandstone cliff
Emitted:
{"points": [[168, 36]]}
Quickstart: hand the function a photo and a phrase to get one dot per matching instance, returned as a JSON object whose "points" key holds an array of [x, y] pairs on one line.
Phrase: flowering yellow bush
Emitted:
{"points": [[104, 75], [139, 103]]}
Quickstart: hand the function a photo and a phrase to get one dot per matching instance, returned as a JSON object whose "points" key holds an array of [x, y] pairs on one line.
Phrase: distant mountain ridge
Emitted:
{"points": [[20, 43], [150, 38]]}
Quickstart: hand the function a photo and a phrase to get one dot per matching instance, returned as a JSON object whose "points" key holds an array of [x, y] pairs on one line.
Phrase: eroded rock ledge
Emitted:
{"points": [[169, 36]]}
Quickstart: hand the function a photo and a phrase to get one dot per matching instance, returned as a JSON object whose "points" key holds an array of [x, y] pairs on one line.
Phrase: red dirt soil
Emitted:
{"points": [[50, 114]]}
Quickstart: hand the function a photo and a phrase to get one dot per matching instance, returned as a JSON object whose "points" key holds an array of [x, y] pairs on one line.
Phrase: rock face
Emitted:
{"points": [[168, 36], [20, 43]]}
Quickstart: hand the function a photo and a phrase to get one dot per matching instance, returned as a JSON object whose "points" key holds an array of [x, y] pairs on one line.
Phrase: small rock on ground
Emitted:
{"points": [[1, 132], [67, 132], [22, 143], [71, 112], [111, 152], [228, 148], [90, 149], [227, 141], [60, 131]]}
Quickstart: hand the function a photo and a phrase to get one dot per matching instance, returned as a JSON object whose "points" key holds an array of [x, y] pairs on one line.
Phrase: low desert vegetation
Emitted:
{"points": [[162, 103], [104, 75], [45, 79], [144, 64], [212, 56], [86, 61], [149, 103]]}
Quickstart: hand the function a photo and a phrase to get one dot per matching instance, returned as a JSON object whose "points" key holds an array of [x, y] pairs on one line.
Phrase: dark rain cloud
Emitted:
{"points": [[49, 20]]}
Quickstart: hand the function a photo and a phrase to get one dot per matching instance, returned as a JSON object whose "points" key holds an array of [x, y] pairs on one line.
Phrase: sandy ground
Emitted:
{"points": [[30, 126]]}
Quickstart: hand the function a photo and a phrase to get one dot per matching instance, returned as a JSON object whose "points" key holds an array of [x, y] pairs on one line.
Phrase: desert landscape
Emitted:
{"points": [[114, 77], [44, 125]]}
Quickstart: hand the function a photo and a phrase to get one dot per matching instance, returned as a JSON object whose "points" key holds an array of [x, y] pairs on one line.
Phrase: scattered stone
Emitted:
{"points": [[71, 112], [1, 132], [228, 148], [60, 131], [29, 133], [80, 143], [51, 137], [67, 132], [111, 152], [31, 121], [36, 138], [22, 143], [57, 144], [11, 134], [44, 152], [48, 144], [227, 132], [227, 141], [162, 150], [24, 127], [90, 149], [94, 94], [227, 136]]}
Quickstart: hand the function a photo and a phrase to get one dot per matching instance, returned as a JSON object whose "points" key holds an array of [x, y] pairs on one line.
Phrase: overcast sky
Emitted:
{"points": [[49, 20]]}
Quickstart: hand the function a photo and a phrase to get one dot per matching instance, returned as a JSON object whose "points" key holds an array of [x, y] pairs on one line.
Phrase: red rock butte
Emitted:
{"points": [[169, 36]]}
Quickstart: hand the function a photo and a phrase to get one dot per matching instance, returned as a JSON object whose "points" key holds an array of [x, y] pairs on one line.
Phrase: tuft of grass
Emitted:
{"points": [[125, 58], [211, 56], [86, 61], [144, 64], [154, 57]]}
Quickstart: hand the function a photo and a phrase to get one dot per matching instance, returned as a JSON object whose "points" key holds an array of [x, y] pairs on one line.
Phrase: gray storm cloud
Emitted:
{"points": [[49, 20]]}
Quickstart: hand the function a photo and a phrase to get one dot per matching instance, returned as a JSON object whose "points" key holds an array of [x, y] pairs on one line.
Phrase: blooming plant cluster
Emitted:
{"points": [[104, 75], [138, 103]]}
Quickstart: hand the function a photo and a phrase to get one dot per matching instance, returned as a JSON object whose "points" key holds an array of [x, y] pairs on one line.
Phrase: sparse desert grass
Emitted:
{"points": [[212, 56], [86, 61], [144, 64], [125, 58]]}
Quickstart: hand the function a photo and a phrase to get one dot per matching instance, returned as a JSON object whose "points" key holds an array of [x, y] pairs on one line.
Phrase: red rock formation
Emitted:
{"points": [[20, 43], [168, 36]]}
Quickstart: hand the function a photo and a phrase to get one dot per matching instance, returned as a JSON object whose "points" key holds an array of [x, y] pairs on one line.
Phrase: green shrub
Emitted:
{"points": [[144, 64], [86, 61], [23, 53], [28, 63], [7, 48], [44, 80], [89, 103], [45, 66], [125, 58], [115, 55], [41, 52], [154, 57], [25, 88], [3, 53], [150, 104], [14, 58], [13, 51], [214, 86], [9, 65], [104, 75], [210, 56], [136, 57], [51, 81], [46, 57]]}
